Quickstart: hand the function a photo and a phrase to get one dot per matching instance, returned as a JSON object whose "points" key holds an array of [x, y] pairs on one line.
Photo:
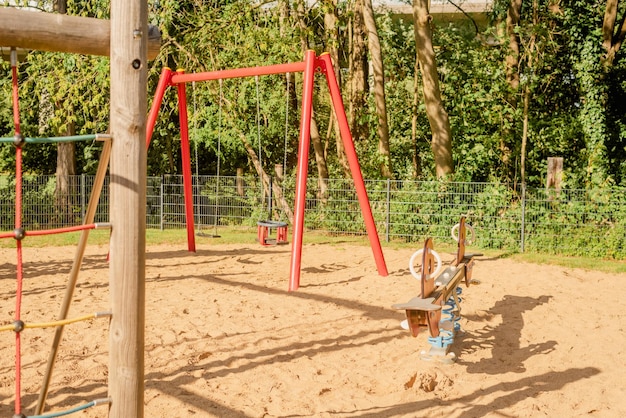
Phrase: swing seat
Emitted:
{"points": [[264, 231]]}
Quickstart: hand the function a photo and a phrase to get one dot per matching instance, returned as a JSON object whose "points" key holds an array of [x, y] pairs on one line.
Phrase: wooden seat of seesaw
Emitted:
{"points": [[444, 282]]}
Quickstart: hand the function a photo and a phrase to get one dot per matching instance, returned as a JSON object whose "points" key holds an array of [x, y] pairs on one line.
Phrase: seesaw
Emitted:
{"points": [[438, 305]]}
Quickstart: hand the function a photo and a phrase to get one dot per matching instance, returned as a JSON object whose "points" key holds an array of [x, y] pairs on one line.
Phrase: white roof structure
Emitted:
{"points": [[437, 7]]}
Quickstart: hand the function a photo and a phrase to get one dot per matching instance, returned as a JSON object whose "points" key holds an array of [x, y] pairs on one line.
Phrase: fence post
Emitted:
{"points": [[388, 211], [161, 202], [239, 181], [83, 193], [523, 226]]}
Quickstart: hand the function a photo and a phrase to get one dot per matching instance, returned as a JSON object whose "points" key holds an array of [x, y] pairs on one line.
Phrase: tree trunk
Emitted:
{"points": [[379, 89], [358, 73], [512, 58], [320, 159], [417, 159], [66, 158], [60, 6], [593, 116], [511, 62], [170, 156], [283, 15], [527, 93], [318, 147], [612, 41], [526, 101], [66, 167], [437, 116], [332, 41]]}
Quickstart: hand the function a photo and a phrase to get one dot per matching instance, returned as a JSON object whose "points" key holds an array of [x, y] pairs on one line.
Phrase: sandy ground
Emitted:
{"points": [[224, 337]]}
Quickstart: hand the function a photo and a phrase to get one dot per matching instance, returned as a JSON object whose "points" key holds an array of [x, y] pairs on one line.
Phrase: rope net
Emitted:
{"points": [[19, 233]]}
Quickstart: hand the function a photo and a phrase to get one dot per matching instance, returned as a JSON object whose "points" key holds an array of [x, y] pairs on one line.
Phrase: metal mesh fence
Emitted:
{"points": [[218, 201], [45, 207], [576, 222], [504, 216]]}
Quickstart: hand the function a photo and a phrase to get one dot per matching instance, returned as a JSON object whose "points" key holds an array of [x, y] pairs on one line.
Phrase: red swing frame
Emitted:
{"points": [[308, 67]]}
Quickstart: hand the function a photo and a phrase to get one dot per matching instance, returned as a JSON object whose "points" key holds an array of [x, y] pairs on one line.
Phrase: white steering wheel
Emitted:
{"points": [[454, 232], [418, 275]]}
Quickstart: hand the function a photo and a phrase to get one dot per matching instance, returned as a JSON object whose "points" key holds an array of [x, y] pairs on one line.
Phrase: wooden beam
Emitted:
{"points": [[34, 30], [129, 107]]}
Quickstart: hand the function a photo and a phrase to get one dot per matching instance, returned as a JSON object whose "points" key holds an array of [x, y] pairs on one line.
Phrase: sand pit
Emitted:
{"points": [[224, 338]]}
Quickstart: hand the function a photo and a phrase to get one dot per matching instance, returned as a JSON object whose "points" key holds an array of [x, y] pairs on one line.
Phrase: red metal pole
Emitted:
{"points": [[301, 173], [186, 163], [164, 81], [18, 224], [348, 144], [239, 72]]}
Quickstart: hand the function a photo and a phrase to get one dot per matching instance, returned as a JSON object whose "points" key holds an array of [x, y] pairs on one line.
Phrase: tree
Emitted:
{"points": [[265, 180], [558, 62], [612, 34], [512, 63], [441, 143], [530, 60], [318, 148], [589, 70], [512, 58], [379, 89], [333, 45], [357, 71], [553, 85], [66, 153]]}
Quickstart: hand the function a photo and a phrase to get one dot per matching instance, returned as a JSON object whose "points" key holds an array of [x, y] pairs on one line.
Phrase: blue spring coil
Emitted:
{"points": [[446, 337], [452, 306]]}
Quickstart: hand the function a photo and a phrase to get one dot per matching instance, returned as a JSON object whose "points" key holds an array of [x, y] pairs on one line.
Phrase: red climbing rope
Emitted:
{"points": [[18, 233]]}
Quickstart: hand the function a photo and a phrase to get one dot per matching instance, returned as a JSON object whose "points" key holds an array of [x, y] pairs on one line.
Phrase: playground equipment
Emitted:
{"points": [[264, 232], [34, 30], [437, 307], [265, 227], [126, 38], [20, 233], [308, 67]]}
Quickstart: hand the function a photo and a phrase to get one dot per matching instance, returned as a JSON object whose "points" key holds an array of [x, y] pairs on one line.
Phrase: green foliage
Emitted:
{"points": [[56, 91], [203, 36], [576, 107], [474, 86], [592, 220]]}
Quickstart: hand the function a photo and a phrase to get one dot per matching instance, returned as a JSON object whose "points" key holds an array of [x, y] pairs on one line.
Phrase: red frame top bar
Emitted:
{"points": [[238, 72]]}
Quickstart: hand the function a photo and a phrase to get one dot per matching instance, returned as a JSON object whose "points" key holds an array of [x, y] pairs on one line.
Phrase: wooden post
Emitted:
{"points": [[129, 33], [103, 166], [63, 33], [278, 169], [239, 181], [555, 173]]}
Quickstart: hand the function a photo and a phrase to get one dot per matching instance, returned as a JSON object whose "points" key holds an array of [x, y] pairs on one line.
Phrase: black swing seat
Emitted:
{"points": [[264, 229]]}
